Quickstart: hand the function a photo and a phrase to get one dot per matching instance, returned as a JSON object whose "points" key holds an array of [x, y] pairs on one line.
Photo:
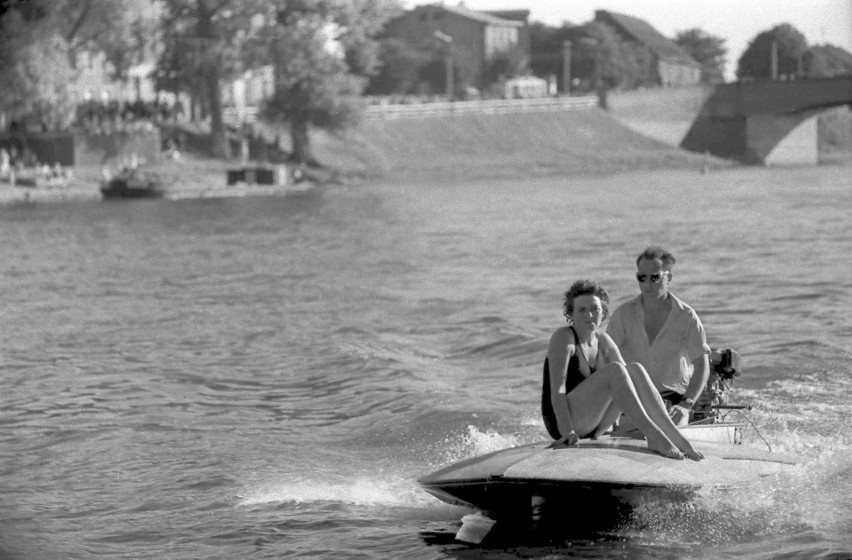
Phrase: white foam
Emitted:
{"points": [[474, 443], [360, 491]]}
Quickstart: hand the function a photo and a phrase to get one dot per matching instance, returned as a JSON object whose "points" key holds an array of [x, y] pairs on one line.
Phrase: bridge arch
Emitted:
{"points": [[747, 120]]}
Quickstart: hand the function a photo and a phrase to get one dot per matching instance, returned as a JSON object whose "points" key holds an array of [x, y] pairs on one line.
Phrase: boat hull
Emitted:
{"points": [[609, 468], [132, 187]]}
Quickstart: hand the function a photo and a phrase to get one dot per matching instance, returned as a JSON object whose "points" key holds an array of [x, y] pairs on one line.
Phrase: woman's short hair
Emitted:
{"points": [[658, 253], [584, 288]]}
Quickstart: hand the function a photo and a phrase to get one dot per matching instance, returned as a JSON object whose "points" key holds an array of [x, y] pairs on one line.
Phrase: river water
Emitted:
{"points": [[267, 377]]}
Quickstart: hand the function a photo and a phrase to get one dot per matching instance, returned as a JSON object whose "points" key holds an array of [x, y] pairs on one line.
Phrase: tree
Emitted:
{"points": [[709, 51], [322, 51], [203, 43], [790, 46], [42, 43], [546, 49], [120, 29], [433, 75], [601, 55], [400, 67], [37, 75], [825, 61], [506, 65]]}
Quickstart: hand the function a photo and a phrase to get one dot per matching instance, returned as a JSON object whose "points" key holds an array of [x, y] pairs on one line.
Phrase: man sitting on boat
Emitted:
{"points": [[664, 334]]}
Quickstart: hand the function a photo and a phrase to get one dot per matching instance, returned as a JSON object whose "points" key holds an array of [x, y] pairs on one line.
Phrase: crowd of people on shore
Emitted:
{"points": [[22, 166], [97, 117]]}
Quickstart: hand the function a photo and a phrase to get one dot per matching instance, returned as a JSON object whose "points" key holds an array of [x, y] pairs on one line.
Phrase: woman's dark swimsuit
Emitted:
{"points": [[573, 377]]}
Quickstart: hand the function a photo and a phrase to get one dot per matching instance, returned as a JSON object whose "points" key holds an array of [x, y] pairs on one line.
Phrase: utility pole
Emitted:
{"points": [[448, 62], [566, 67], [773, 60], [599, 84], [599, 79]]}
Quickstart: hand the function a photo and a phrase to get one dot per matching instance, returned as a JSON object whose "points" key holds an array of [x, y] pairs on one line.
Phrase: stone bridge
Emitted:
{"points": [[747, 120]]}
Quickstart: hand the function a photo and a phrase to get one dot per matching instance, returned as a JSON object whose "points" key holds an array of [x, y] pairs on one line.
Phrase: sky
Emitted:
{"points": [[737, 21]]}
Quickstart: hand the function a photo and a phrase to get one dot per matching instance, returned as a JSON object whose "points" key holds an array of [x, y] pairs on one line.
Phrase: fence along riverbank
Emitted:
{"points": [[480, 107], [385, 110]]}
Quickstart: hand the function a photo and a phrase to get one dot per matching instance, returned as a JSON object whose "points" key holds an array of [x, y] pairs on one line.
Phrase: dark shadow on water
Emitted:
{"points": [[594, 529]]}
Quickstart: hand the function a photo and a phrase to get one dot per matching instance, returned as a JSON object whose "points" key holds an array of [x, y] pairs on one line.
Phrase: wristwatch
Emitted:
{"points": [[687, 402]]}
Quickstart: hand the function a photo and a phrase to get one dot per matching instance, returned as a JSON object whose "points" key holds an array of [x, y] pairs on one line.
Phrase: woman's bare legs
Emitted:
{"points": [[653, 404], [590, 402], [608, 419]]}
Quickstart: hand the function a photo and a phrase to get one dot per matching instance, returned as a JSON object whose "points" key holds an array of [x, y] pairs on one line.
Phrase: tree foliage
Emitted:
{"points": [[709, 51], [826, 61], [604, 57], [44, 43], [401, 66], [465, 67], [791, 47], [37, 77], [506, 65], [204, 43], [120, 29], [420, 69], [599, 56], [322, 51], [546, 49]]}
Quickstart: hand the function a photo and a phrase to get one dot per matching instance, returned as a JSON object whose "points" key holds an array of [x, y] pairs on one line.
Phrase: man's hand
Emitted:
{"points": [[571, 439]]}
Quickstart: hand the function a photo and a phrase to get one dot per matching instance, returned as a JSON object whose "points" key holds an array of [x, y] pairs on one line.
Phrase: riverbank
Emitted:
{"points": [[640, 132], [192, 176]]}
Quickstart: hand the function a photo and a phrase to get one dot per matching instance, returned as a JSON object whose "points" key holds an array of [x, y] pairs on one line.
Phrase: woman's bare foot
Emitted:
{"points": [[686, 448], [691, 453], [665, 448]]}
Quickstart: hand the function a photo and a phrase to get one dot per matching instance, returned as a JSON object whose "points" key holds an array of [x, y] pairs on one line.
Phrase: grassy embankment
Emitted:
{"points": [[641, 131], [481, 147]]}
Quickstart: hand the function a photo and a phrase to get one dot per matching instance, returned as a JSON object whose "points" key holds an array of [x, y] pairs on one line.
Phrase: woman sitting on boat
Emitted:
{"points": [[591, 385]]}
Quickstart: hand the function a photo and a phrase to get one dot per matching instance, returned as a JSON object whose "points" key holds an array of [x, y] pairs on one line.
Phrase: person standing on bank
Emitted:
{"points": [[587, 384], [664, 334]]}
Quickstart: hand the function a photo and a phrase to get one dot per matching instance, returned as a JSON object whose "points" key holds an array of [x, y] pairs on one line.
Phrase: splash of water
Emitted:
{"points": [[362, 490], [474, 443], [394, 489], [814, 496]]}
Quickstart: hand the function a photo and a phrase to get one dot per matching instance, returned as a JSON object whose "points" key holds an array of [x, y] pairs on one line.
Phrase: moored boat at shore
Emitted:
{"points": [[132, 184]]}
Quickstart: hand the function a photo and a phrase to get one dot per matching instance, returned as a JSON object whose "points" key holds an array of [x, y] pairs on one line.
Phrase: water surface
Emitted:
{"points": [[267, 377]]}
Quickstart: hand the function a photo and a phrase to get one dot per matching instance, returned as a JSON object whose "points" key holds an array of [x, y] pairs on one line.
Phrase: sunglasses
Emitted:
{"points": [[653, 278]]}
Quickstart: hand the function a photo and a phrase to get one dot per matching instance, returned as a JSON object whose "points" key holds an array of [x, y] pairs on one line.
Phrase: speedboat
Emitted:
{"points": [[515, 482]]}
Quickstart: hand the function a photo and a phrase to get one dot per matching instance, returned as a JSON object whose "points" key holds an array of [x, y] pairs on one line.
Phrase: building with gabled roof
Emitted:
{"points": [[672, 64], [482, 36]]}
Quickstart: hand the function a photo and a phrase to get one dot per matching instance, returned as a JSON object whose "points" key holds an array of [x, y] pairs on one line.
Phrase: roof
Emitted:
{"points": [[481, 17], [641, 31], [515, 15]]}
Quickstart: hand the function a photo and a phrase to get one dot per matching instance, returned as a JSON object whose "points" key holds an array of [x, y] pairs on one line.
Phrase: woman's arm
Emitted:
{"points": [[610, 350], [562, 347]]}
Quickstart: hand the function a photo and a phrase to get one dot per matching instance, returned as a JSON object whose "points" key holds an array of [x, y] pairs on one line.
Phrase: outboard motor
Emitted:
{"points": [[724, 367]]}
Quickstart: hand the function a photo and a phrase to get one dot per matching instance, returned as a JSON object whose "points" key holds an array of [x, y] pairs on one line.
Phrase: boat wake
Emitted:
{"points": [[364, 491]]}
